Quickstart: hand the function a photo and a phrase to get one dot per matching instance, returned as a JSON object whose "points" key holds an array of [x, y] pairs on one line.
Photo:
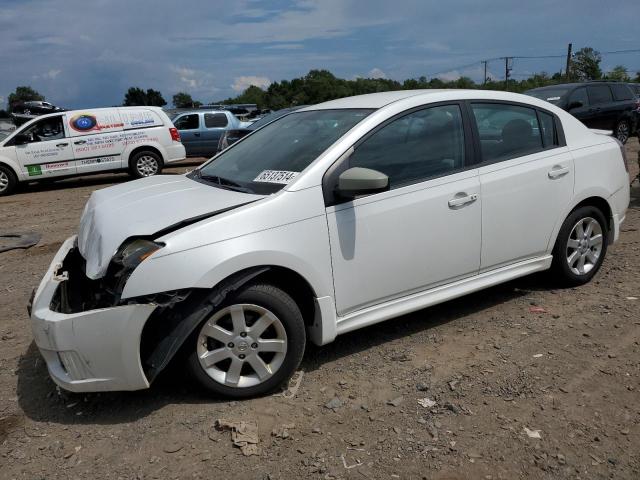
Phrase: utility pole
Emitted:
{"points": [[484, 79], [567, 70], [507, 72]]}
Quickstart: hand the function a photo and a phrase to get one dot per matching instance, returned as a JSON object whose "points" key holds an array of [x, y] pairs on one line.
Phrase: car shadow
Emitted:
{"points": [[42, 401]]}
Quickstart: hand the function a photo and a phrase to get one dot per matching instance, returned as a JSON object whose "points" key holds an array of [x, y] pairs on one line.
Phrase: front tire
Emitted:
{"points": [[8, 181], [623, 131], [251, 345], [580, 247], [145, 164]]}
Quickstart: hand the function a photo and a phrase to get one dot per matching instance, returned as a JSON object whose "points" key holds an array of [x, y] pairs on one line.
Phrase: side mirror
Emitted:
{"points": [[361, 181], [21, 139], [575, 104]]}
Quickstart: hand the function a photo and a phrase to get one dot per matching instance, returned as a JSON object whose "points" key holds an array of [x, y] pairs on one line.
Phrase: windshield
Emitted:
{"points": [[552, 95], [271, 157], [271, 117]]}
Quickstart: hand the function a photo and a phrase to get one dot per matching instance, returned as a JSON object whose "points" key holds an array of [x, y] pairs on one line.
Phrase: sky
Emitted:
{"points": [[87, 53]]}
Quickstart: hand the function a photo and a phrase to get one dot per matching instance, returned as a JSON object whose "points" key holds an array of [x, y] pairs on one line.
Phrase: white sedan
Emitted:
{"points": [[332, 218]]}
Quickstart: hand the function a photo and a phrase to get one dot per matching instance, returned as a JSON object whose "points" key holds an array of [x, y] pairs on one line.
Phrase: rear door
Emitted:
{"points": [[189, 126], [578, 106], [97, 139], [48, 152], [603, 109], [526, 180], [214, 127]]}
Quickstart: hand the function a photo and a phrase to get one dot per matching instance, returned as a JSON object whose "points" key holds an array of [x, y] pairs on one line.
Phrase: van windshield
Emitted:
{"points": [[271, 157]]}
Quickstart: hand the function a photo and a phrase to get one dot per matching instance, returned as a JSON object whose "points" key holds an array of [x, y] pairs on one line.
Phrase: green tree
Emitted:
{"points": [[136, 96], [637, 79], [22, 94], [184, 100], [585, 64], [619, 74]]}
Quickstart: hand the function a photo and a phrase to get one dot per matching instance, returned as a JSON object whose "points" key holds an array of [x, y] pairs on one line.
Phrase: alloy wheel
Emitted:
{"points": [[4, 181], [584, 246], [147, 166], [622, 132], [242, 345]]}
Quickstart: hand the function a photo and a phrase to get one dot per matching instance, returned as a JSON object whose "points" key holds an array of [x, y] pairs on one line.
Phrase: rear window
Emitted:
{"points": [[599, 94], [552, 95], [621, 92]]}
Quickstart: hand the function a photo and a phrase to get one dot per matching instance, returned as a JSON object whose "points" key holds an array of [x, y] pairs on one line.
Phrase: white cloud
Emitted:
{"points": [[240, 84], [52, 74], [376, 73]]}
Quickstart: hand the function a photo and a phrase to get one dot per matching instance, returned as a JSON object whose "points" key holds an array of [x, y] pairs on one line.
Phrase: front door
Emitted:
{"points": [[424, 231], [188, 125], [47, 151]]}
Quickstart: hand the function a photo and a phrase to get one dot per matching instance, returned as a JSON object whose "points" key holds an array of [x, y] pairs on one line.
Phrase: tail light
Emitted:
{"points": [[175, 134], [623, 152], [636, 104]]}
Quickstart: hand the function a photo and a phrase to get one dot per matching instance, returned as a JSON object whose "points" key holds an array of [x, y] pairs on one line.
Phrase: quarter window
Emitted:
{"points": [[549, 136], [621, 92], [215, 120], [506, 131], [599, 94], [415, 147], [188, 122]]}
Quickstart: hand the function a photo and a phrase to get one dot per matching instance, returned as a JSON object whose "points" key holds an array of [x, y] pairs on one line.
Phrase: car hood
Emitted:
{"points": [[143, 208]]}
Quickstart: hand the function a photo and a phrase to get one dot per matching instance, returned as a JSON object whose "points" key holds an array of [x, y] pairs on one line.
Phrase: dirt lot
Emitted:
{"points": [[565, 363]]}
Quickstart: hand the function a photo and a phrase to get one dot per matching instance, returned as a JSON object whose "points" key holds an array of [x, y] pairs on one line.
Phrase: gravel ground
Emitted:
{"points": [[520, 381]]}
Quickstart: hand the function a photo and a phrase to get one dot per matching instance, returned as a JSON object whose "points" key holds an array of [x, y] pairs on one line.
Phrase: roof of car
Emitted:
{"points": [[370, 100]]}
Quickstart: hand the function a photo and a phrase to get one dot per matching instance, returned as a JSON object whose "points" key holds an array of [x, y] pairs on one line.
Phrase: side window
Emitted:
{"points": [[415, 147], [578, 98], [188, 122], [45, 130], [549, 136], [215, 120], [599, 94], [506, 131], [621, 92]]}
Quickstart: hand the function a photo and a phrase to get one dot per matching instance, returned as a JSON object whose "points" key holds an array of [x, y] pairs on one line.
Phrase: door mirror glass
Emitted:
{"points": [[361, 181]]}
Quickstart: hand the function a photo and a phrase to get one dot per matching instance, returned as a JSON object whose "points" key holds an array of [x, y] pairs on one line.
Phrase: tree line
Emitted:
{"points": [[322, 85]]}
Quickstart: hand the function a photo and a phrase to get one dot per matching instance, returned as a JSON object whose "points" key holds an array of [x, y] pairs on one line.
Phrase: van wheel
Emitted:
{"points": [[623, 131], [251, 345], [581, 246], [145, 164], [8, 181]]}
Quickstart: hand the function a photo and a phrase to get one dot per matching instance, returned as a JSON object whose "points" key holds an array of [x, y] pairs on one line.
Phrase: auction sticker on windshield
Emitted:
{"points": [[276, 176]]}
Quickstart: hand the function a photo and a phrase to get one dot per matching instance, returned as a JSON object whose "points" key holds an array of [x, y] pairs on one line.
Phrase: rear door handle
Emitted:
{"points": [[557, 171], [61, 144], [196, 134], [460, 201], [80, 142]]}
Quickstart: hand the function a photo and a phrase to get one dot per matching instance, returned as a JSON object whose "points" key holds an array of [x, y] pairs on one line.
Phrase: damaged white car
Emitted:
{"points": [[331, 218]]}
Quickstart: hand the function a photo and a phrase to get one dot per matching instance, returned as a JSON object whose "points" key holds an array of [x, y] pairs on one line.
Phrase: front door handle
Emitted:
{"points": [[80, 142], [61, 144], [461, 201], [558, 171], [196, 134]]}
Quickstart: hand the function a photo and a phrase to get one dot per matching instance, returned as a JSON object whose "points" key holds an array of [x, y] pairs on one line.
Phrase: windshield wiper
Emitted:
{"points": [[224, 182]]}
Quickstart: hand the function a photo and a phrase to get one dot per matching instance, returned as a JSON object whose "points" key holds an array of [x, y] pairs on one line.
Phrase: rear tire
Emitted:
{"points": [[145, 164], [623, 131], [8, 181], [250, 345], [580, 247]]}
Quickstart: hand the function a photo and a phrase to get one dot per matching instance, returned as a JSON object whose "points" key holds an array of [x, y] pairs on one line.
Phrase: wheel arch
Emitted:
{"points": [[164, 335], [143, 148]]}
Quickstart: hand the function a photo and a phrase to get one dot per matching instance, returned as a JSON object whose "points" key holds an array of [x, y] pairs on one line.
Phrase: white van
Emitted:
{"points": [[78, 142]]}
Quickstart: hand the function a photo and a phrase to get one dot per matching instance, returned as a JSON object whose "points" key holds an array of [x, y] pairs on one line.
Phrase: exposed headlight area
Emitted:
{"points": [[79, 293]]}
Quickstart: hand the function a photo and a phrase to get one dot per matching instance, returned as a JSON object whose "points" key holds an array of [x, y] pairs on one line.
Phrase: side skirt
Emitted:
{"points": [[418, 301]]}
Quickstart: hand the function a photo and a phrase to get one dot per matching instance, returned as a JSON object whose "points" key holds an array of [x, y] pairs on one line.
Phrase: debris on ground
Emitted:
{"points": [[11, 240], [427, 402], [293, 386], [243, 434], [532, 433], [282, 431], [396, 402], [334, 404]]}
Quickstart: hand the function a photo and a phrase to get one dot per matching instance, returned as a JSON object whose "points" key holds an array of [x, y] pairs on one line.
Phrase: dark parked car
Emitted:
{"points": [[25, 111], [231, 136], [603, 105]]}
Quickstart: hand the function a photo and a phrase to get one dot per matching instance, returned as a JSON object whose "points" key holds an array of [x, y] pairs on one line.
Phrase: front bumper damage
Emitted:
{"points": [[92, 350]]}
